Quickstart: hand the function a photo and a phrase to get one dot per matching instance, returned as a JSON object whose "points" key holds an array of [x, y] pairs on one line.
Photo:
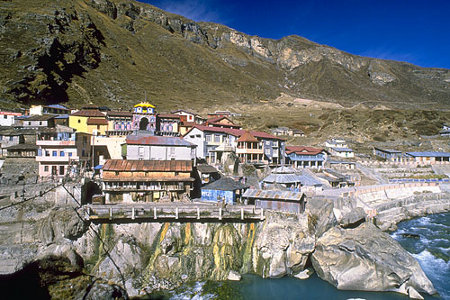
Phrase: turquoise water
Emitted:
{"points": [[428, 242]]}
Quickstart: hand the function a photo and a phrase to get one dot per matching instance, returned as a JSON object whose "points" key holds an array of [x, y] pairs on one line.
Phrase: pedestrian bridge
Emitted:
{"points": [[171, 212]]}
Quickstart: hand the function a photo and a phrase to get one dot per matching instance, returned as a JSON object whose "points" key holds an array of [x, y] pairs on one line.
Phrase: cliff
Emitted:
{"points": [[142, 258]]}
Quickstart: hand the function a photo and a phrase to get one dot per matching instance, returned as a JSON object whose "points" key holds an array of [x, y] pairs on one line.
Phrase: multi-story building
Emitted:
{"points": [[306, 157], [119, 123], [146, 180], [7, 118], [61, 151], [211, 140], [90, 121], [168, 124], [35, 122], [142, 147], [249, 149]]}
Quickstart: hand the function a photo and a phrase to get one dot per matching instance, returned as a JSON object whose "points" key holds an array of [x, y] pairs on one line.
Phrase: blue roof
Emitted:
{"points": [[428, 154], [98, 167], [65, 116], [342, 149], [58, 106]]}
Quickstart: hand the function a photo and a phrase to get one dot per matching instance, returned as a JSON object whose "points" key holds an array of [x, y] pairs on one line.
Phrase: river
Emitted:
{"points": [[426, 238]]}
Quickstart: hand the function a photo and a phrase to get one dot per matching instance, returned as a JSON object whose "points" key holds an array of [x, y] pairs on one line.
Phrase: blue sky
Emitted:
{"points": [[407, 30]]}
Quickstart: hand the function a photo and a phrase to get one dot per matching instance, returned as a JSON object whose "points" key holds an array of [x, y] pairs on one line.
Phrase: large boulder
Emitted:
{"points": [[283, 245], [365, 258]]}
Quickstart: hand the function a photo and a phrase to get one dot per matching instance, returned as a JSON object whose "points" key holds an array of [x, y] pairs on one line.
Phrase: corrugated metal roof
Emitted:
{"points": [[206, 169], [272, 194], [428, 154], [88, 113], [58, 106], [158, 140], [148, 165], [388, 150], [92, 121], [225, 184], [282, 178], [41, 118], [283, 170]]}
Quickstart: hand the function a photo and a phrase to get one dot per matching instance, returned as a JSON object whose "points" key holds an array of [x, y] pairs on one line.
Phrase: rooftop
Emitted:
{"points": [[237, 132], [145, 104], [93, 121], [40, 118], [247, 137], [388, 150], [206, 169], [342, 149], [157, 141], [428, 154], [148, 165], [88, 113], [225, 184], [273, 194], [303, 150], [282, 178]]}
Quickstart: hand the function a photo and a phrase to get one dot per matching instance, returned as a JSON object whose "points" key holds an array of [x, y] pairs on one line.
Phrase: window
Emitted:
{"points": [[61, 170], [47, 153], [192, 136], [5, 117], [70, 154], [61, 153], [199, 135], [11, 138], [55, 153], [208, 138], [141, 151], [45, 168], [79, 121], [29, 123], [40, 122], [217, 138]]}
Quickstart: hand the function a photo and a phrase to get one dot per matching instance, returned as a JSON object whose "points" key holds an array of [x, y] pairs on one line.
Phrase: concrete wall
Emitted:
{"points": [[145, 152]]}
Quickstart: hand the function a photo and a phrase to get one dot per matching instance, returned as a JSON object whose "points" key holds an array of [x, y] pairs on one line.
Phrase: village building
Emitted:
{"points": [[336, 143], [91, 121], [305, 157], [62, 151], [8, 138], [219, 114], [119, 123], [224, 190], [428, 157], [249, 149], [21, 151], [7, 118], [188, 120], [388, 154], [168, 124], [445, 130], [222, 122], [283, 178], [148, 147], [207, 173], [146, 180], [342, 164], [35, 122], [310, 185], [286, 131], [210, 139], [342, 152], [107, 147], [288, 201], [52, 109], [144, 117], [336, 179]]}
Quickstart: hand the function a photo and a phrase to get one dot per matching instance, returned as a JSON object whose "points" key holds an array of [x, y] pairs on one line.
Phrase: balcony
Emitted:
{"points": [[57, 158], [249, 151], [55, 143]]}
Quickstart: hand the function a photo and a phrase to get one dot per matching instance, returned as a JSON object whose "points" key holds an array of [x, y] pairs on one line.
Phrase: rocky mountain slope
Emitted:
{"points": [[112, 52]]}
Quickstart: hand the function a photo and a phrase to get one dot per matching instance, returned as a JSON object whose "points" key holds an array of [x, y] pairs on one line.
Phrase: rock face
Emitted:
{"points": [[90, 50], [365, 258]]}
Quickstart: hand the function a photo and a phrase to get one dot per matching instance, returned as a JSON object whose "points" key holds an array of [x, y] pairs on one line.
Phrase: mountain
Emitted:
{"points": [[114, 52]]}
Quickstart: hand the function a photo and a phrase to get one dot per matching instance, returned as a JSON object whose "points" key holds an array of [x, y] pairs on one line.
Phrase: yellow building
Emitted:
{"points": [[89, 121]]}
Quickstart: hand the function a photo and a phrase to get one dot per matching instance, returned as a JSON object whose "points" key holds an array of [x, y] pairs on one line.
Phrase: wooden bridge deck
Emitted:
{"points": [[173, 212]]}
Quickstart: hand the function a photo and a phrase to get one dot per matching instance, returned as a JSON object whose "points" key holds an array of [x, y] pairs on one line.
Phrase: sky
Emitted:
{"points": [[406, 30]]}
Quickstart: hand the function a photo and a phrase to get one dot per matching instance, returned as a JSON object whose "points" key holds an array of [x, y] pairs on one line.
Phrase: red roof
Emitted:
{"points": [[92, 121], [169, 116], [237, 132], [88, 113], [303, 150], [148, 165], [247, 137]]}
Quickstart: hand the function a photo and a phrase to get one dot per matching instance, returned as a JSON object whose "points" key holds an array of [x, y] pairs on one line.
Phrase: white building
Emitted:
{"points": [[7, 118], [342, 152], [147, 147], [336, 143]]}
